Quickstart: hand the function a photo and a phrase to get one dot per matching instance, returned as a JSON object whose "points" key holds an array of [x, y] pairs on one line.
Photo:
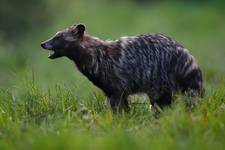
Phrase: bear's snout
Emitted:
{"points": [[46, 46]]}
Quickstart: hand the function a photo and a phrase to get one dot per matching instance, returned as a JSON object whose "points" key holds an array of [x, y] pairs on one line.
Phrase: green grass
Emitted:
{"points": [[37, 119], [49, 105]]}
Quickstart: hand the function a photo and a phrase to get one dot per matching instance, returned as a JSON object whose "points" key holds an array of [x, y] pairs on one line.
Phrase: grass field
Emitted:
{"points": [[48, 104]]}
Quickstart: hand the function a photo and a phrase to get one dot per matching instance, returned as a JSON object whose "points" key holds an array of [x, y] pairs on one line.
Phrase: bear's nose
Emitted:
{"points": [[43, 45], [46, 46]]}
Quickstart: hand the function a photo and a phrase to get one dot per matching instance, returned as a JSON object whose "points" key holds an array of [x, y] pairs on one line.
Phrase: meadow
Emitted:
{"points": [[46, 104]]}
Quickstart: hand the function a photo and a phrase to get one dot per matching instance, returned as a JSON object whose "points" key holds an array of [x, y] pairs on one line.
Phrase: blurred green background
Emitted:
{"points": [[199, 25]]}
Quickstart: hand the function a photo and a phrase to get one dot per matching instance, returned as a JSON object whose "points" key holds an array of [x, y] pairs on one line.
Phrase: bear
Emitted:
{"points": [[152, 63]]}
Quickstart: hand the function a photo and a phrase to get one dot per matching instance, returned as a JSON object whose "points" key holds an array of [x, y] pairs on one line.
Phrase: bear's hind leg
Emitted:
{"points": [[164, 100]]}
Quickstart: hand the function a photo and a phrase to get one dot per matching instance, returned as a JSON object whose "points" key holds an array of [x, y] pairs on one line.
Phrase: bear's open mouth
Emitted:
{"points": [[53, 54]]}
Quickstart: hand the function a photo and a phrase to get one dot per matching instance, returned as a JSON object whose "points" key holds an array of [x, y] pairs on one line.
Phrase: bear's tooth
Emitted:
{"points": [[51, 53]]}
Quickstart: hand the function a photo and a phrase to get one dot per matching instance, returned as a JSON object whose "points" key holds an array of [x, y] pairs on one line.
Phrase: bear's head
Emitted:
{"points": [[63, 42]]}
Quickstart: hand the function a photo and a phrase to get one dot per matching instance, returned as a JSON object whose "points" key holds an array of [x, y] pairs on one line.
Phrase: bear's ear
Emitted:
{"points": [[80, 28]]}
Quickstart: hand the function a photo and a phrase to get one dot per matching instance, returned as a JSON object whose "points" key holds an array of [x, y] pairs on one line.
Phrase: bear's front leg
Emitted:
{"points": [[119, 103]]}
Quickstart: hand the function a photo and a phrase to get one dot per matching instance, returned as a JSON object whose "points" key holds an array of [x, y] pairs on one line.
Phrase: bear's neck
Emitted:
{"points": [[92, 59], [87, 56], [93, 43]]}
